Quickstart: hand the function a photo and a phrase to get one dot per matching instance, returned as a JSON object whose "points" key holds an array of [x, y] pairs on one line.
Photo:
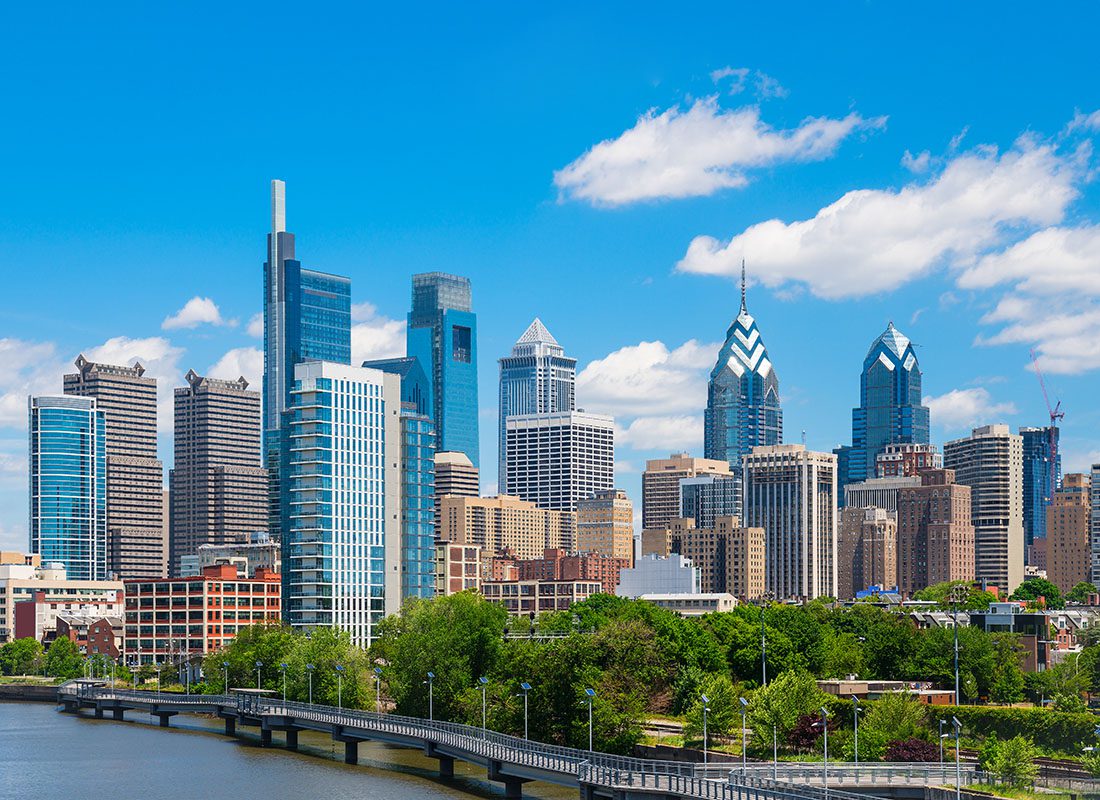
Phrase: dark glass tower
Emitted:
{"points": [[743, 409], [1038, 490], [890, 410]]}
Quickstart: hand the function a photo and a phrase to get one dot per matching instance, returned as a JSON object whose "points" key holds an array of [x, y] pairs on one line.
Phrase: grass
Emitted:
{"points": [[1018, 794]]}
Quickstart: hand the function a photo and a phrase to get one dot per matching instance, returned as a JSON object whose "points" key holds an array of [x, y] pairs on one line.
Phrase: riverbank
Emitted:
{"points": [[29, 692]]}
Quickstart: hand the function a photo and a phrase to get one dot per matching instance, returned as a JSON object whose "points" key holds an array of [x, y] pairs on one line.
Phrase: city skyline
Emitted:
{"points": [[181, 269]]}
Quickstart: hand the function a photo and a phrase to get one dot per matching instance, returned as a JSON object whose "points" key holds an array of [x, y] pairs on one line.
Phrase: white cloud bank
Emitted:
{"points": [[195, 312], [375, 335], [247, 362], [962, 409]]}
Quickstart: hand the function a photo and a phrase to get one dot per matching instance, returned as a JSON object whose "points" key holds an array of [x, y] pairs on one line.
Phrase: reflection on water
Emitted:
{"points": [[47, 755]]}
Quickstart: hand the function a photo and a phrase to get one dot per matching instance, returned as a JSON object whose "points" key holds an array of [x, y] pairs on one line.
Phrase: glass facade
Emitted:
{"points": [[68, 485], [1038, 490], [707, 497], [442, 335], [417, 505]]}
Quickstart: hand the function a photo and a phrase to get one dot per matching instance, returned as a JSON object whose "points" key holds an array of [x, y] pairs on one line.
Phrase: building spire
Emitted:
{"points": [[742, 284]]}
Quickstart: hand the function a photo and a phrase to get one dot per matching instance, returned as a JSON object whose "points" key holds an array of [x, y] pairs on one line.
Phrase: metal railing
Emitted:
{"points": [[877, 773]]}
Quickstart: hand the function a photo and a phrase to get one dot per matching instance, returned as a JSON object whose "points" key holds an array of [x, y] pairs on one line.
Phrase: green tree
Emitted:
{"points": [[1080, 592], [1012, 762], [63, 659], [779, 706], [894, 717], [21, 656], [1007, 679], [976, 599], [1033, 588], [723, 708]]}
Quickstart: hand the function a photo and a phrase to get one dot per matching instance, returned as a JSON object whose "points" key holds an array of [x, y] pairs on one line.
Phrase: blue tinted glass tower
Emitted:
{"points": [[743, 409], [1038, 476], [890, 410], [442, 334], [68, 485], [307, 317]]}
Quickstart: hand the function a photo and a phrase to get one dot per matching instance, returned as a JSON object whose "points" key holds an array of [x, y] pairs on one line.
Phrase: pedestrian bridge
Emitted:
{"points": [[508, 760]]}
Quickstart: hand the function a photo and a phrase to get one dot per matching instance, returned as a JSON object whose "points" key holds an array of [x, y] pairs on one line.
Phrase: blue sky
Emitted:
{"points": [[604, 168]]}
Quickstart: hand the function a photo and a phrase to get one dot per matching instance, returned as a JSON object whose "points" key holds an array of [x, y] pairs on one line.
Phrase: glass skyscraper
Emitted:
{"points": [[537, 378], [307, 317], [1038, 490], [743, 409], [442, 334], [890, 410], [68, 484]]}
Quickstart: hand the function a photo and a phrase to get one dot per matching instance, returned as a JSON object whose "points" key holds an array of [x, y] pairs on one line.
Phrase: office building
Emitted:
{"points": [[218, 486], [260, 552], [705, 498], [33, 595], [1068, 520], [1042, 477], [661, 485], [68, 484], [1094, 524], [935, 532], [693, 605], [790, 492], [605, 524], [442, 335], [136, 539], [537, 378], [907, 460], [557, 565], [671, 574], [555, 460], [866, 550], [534, 597], [416, 389], [890, 410], [93, 633], [878, 492], [307, 317], [730, 558], [457, 568], [990, 462], [505, 524], [215, 606], [743, 409], [342, 548]]}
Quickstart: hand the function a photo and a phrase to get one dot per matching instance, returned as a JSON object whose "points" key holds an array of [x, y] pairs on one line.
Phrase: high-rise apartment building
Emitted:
{"points": [[1094, 525], [890, 410], [743, 409], [1068, 523], [866, 551], [442, 335], [68, 485], [705, 498], [455, 475], [136, 539], [661, 485], [730, 558], [877, 492], [990, 462], [605, 525], [1040, 481], [935, 532], [791, 493], [907, 460], [505, 524], [307, 317], [217, 487], [342, 546], [554, 460], [537, 378]]}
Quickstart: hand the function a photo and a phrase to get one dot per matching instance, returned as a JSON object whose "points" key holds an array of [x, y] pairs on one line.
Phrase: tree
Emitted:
{"points": [[912, 750], [976, 599], [1080, 592], [780, 705], [1012, 761], [894, 717], [724, 714], [63, 659], [1033, 588], [21, 657], [1007, 681]]}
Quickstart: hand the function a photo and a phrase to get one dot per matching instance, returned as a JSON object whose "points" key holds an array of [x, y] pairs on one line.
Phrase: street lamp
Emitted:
{"points": [[958, 767], [590, 694], [706, 711], [956, 591], [855, 726], [225, 679], [431, 710], [744, 748], [763, 645], [378, 690], [339, 685], [942, 736], [526, 687], [484, 717], [283, 668], [259, 667], [824, 725], [309, 672]]}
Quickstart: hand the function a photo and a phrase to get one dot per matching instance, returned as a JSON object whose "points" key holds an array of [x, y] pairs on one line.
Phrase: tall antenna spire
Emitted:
{"points": [[742, 284]]}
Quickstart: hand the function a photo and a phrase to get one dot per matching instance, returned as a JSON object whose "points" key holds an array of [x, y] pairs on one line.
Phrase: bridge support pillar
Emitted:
{"points": [[118, 713], [164, 719], [513, 788], [351, 752], [230, 726], [446, 766], [265, 737], [99, 712], [292, 739]]}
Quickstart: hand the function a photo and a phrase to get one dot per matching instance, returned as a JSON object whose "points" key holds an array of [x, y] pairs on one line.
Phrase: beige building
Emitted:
{"points": [[135, 477], [991, 462], [729, 557], [661, 485], [935, 533], [218, 488], [457, 568], [503, 523], [866, 550], [537, 596], [1067, 544], [47, 593], [455, 475], [605, 524]]}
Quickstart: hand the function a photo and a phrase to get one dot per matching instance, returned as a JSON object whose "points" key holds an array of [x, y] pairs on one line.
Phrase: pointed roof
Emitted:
{"points": [[536, 333], [744, 349], [894, 340]]}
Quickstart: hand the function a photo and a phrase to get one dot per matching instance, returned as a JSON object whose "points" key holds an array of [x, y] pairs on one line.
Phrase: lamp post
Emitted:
{"points": [[763, 643], [283, 668], [309, 673], [706, 711], [378, 690], [431, 699], [958, 767], [855, 726], [526, 687], [775, 754], [744, 740], [339, 685], [225, 677], [824, 724], [956, 591], [590, 694], [158, 678], [259, 668], [942, 723], [484, 707]]}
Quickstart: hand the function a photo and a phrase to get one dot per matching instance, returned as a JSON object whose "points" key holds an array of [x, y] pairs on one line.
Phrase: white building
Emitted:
{"points": [[693, 605], [47, 592], [878, 492], [343, 554], [262, 551], [653, 574], [553, 460]]}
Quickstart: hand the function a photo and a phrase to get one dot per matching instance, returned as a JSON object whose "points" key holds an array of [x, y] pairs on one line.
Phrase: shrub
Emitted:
{"points": [[1013, 762], [1051, 730], [912, 750]]}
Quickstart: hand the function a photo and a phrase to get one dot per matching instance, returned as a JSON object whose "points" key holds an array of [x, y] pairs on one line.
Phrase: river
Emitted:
{"points": [[47, 755]]}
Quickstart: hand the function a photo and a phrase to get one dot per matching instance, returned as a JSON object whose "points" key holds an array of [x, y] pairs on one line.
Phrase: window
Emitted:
{"points": [[461, 344]]}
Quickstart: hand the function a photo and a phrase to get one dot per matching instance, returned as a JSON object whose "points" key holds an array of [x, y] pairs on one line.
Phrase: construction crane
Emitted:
{"points": [[1056, 414]]}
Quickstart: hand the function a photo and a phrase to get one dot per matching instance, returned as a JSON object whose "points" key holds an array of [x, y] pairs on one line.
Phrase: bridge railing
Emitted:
{"points": [[877, 773]]}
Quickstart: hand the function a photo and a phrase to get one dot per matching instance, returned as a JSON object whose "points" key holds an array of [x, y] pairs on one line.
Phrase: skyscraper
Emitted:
{"points": [[867, 550], [137, 544], [743, 408], [1068, 522], [990, 462], [661, 485], [935, 532], [68, 485], [1038, 489], [790, 492], [705, 498], [1094, 524], [342, 543], [217, 487], [605, 524], [307, 317], [442, 334], [536, 378], [890, 410]]}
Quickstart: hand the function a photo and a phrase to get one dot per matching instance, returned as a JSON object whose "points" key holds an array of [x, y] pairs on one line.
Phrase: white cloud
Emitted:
{"points": [[738, 75], [917, 164], [157, 355], [1065, 335], [375, 335], [673, 433], [13, 462], [246, 361], [14, 536], [766, 86], [961, 409], [648, 379], [677, 153], [1085, 122], [875, 240], [255, 327], [30, 368], [196, 311], [1048, 262]]}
